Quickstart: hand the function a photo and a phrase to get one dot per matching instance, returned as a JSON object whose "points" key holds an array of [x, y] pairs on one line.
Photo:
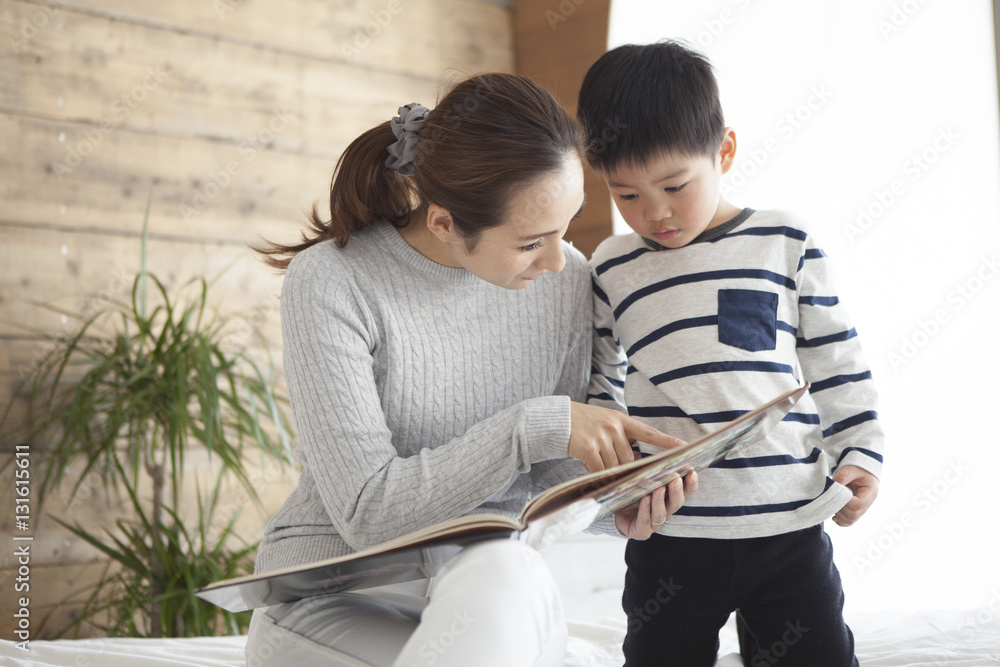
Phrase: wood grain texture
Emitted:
{"points": [[59, 601], [62, 567], [231, 115], [202, 191], [418, 38], [556, 42], [86, 272], [110, 75]]}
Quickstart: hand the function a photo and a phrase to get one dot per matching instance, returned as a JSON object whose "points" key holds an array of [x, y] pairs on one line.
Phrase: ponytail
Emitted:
{"points": [[362, 191]]}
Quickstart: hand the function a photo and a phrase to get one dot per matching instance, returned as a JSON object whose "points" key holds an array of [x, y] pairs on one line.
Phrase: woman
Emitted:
{"points": [[437, 337]]}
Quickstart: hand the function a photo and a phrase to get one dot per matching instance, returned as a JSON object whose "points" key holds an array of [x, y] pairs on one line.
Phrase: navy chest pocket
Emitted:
{"points": [[748, 319]]}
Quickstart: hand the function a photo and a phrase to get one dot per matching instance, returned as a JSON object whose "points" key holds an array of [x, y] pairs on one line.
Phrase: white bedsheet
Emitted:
{"points": [[888, 639], [589, 571]]}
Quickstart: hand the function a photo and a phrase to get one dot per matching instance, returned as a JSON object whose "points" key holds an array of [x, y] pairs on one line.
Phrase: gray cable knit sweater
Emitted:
{"points": [[421, 392]]}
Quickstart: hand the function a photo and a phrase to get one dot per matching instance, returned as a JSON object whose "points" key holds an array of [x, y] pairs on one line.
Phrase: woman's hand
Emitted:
{"points": [[602, 438], [640, 520]]}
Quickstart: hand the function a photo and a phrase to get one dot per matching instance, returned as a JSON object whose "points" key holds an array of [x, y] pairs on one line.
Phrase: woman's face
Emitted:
{"points": [[527, 244]]}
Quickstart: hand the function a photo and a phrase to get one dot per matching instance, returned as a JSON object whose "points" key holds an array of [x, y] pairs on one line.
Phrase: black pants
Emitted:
{"points": [[785, 589]]}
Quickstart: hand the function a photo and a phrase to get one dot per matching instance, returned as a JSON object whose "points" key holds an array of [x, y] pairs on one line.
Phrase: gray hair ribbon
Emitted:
{"points": [[405, 127]]}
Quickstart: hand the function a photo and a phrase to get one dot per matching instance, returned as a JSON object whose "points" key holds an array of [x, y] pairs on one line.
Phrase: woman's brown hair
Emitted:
{"points": [[490, 135]]}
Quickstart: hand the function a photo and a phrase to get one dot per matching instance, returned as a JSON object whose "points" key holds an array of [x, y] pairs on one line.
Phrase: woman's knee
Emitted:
{"points": [[265, 641], [504, 565], [497, 596]]}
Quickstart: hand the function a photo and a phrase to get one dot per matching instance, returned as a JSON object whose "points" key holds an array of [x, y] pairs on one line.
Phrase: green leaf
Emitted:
{"points": [[130, 393]]}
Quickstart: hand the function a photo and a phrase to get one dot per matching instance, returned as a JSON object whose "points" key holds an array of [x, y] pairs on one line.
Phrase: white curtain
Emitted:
{"points": [[876, 121]]}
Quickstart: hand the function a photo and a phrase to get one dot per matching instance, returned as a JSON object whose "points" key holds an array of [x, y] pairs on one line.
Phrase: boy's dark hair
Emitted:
{"points": [[638, 102]]}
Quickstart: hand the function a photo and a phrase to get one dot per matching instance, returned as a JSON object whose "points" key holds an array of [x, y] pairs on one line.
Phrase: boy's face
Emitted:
{"points": [[673, 199]]}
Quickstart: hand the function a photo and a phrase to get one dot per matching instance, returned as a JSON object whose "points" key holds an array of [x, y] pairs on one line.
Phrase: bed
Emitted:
{"points": [[588, 571]]}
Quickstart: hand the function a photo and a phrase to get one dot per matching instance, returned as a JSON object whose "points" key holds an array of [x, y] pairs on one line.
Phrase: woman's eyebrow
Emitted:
{"points": [[532, 237]]}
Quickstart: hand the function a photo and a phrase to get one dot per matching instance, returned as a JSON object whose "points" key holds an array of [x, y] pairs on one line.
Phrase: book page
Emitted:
{"points": [[617, 488], [416, 555], [562, 510]]}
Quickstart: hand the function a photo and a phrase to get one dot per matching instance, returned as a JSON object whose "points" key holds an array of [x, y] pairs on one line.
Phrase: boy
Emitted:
{"points": [[718, 309]]}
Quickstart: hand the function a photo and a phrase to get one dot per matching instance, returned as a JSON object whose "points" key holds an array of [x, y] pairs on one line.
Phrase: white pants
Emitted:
{"points": [[493, 604]]}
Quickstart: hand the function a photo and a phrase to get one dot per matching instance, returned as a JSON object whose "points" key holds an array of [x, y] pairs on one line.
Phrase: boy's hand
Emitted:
{"points": [[865, 488], [640, 520]]}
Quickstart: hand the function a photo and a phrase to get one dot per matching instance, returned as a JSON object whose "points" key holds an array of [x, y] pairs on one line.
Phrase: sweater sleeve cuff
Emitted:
{"points": [[547, 428], [605, 526], [863, 461]]}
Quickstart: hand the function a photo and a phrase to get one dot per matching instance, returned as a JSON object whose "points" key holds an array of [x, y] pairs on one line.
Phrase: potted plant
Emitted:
{"points": [[133, 391]]}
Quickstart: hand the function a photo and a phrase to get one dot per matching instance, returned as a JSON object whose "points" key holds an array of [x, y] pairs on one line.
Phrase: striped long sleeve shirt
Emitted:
{"points": [[690, 338]]}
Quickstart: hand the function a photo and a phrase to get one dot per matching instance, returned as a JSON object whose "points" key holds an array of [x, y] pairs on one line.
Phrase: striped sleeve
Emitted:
{"points": [[832, 361], [607, 372]]}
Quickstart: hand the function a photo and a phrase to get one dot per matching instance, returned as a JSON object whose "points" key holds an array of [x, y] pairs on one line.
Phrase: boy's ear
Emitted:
{"points": [[441, 224], [727, 151]]}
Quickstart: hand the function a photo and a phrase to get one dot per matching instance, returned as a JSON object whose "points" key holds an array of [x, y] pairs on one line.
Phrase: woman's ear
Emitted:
{"points": [[727, 151], [441, 225]]}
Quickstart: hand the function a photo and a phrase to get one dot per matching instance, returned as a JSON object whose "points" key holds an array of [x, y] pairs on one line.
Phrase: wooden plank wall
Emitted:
{"points": [[556, 42], [230, 114]]}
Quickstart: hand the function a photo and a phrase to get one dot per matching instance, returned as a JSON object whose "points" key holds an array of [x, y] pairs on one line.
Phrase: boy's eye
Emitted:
{"points": [[534, 246], [676, 188], [627, 197]]}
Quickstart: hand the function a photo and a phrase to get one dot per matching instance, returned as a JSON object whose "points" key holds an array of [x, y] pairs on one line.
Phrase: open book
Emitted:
{"points": [[560, 511]]}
